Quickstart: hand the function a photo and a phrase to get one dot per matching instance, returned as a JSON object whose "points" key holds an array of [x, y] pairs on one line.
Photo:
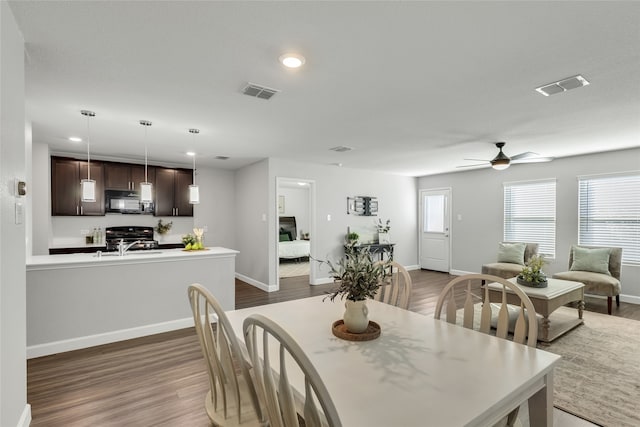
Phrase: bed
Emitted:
{"points": [[289, 247]]}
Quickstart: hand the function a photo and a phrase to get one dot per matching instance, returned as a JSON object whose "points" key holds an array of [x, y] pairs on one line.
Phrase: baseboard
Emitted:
{"points": [[257, 284], [461, 272], [323, 281], [412, 267], [631, 299], [106, 338], [25, 418]]}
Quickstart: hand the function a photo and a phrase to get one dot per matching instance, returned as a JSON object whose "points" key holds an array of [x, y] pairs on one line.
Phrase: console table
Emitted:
{"points": [[376, 248]]}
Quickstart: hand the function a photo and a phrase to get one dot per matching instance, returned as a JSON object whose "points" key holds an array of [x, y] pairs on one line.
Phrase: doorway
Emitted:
{"points": [[435, 224], [295, 230]]}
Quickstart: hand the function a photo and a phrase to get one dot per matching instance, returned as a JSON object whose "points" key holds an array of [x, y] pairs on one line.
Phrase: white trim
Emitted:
{"points": [[322, 281], [25, 418], [631, 299], [461, 272], [412, 267], [107, 337], [610, 174], [256, 283]]}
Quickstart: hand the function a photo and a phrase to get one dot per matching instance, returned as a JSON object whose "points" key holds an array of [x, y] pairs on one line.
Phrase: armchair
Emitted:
{"points": [[510, 263], [598, 268]]}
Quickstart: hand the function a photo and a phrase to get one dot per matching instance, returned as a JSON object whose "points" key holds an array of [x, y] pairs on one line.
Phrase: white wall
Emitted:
{"points": [[13, 374], [478, 197], [41, 199], [216, 210], [397, 197]]}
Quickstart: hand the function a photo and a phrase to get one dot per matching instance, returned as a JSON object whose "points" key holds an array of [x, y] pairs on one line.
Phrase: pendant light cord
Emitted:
{"points": [[145, 154], [88, 114]]}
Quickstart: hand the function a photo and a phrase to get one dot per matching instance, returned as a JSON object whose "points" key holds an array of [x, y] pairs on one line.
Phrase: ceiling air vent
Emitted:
{"points": [[222, 157], [258, 91], [562, 85], [341, 149]]}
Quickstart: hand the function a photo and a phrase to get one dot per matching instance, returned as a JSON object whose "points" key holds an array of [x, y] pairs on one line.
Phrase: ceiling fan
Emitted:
{"points": [[502, 161]]}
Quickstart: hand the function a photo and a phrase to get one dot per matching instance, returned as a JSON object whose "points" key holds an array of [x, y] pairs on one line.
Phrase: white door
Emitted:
{"points": [[435, 221]]}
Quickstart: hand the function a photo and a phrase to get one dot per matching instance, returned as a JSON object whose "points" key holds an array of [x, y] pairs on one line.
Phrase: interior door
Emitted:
{"points": [[435, 223]]}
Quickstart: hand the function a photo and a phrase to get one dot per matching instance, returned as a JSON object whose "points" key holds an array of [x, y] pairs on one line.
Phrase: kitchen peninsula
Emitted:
{"points": [[82, 300]]}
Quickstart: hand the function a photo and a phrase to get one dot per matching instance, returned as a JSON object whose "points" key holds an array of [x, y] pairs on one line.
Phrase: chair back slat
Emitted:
{"points": [[468, 308], [485, 317], [281, 405], [396, 287], [502, 330], [520, 330], [452, 309]]}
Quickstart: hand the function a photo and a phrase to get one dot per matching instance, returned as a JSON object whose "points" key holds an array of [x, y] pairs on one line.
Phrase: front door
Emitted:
{"points": [[435, 221]]}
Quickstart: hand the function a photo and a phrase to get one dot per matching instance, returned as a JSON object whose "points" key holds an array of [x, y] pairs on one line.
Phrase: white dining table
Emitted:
{"points": [[419, 371]]}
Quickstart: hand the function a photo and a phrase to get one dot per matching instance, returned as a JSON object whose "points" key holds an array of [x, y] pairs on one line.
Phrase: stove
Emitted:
{"points": [[113, 235]]}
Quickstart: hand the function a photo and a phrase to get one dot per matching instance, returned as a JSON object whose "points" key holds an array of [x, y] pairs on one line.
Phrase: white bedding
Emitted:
{"points": [[293, 249]]}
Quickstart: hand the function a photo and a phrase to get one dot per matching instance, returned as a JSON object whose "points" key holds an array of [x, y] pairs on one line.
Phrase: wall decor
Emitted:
{"points": [[362, 205]]}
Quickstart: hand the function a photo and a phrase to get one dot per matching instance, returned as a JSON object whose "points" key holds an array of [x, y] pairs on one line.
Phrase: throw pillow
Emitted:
{"points": [[595, 260], [512, 253]]}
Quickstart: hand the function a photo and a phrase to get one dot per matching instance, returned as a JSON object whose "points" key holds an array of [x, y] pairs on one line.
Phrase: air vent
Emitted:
{"points": [[341, 149], [258, 91], [562, 85], [222, 157]]}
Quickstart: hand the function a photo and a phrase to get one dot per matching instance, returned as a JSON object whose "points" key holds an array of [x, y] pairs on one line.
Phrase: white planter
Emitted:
{"points": [[356, 316], [384, 238]]}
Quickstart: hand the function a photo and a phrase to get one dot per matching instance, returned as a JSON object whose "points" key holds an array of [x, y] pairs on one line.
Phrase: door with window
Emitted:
{"points": [[435, 222]]}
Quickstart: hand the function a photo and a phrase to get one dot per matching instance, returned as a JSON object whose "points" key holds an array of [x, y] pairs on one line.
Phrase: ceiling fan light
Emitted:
{"points": [[500, 164]]}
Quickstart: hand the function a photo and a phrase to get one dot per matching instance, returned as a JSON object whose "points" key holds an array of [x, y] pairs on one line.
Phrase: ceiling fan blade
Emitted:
{"points": [[471, 166], [534, 160], [479, 160], [525, 155]]}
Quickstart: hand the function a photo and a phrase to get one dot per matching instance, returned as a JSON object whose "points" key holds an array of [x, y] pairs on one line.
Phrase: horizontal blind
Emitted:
{"points": [[530, 214], [609, 213]]}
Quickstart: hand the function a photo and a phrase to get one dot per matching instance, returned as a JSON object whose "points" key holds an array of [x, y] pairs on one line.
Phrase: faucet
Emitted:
{"points": [[122, 248]]}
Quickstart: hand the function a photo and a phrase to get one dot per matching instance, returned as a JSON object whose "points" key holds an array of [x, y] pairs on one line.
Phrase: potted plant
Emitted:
{"points": [[163, 227], [352, 238], [532, 274], [383, 231], [358, 277]]}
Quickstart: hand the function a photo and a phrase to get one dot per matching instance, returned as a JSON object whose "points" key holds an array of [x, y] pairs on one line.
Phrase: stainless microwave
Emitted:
{"points": [[126, 202]]}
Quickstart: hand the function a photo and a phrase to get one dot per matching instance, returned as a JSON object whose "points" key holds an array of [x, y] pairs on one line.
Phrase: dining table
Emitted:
{"points": [[419, 372]]}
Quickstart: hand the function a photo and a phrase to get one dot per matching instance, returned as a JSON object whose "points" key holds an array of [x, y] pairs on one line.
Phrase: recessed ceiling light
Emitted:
{"points": [[292, 60], [75, 139], [190, 153]]}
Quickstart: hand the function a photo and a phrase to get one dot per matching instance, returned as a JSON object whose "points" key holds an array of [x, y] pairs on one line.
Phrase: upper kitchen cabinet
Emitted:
{"points": [[124, 176], [66, 175], [172, 192]]}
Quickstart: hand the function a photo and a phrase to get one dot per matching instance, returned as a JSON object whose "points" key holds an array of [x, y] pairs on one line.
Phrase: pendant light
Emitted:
{"points": [[88, 186], [145, 187], [194, 191]]}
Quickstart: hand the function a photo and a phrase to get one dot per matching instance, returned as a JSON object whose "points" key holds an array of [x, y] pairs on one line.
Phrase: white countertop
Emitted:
{"points": [[39, 262]]}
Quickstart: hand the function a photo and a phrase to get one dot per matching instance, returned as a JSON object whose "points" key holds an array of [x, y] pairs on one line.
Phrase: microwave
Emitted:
{"points": [[126, 202]]}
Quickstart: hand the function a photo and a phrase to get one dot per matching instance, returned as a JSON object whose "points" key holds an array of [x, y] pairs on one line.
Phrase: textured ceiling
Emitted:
{"points": [[413, 87]]}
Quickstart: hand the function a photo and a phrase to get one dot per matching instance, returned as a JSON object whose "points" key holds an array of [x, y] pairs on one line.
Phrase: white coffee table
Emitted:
{"points": [[546, 301]]}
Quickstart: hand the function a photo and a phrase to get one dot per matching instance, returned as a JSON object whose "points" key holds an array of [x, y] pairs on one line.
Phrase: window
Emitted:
{"points": [[609, 213], [434, 206], [530, 214]]}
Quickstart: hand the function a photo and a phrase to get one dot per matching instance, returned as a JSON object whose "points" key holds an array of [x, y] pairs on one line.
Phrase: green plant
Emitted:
{"points": [[163, 227], [189, 239], [532, 272], [357, 275], [353, 237]]}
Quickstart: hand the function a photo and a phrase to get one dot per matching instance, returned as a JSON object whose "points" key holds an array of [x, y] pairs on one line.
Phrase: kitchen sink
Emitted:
{"points": [[116, 254]]}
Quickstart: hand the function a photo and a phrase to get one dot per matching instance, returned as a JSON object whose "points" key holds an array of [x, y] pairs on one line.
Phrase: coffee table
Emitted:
{"points": [[546, 301]]}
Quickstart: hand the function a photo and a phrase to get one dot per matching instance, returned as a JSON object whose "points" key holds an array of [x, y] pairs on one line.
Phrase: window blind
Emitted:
{"points": [[609, 213], [530, 214]]}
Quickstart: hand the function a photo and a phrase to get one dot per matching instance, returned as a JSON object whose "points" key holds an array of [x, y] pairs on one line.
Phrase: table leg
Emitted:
{"points": [[580, 308], [541, 405], [545, 328]]}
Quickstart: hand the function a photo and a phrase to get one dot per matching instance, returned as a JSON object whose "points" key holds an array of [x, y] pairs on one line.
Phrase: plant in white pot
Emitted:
{"points": [[358, 278], [383, 231]]}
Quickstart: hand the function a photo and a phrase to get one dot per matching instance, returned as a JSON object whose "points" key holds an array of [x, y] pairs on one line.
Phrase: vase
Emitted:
{"points": [[541, 284], [383, 238], [356, 316]]}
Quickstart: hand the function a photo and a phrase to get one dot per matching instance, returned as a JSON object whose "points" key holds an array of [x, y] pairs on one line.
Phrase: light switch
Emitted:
{"points": [[459, 217], [328, 217], [264, 217], [19, 213]]}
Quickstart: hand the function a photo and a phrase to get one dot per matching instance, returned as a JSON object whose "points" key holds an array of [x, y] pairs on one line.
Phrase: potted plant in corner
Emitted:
{"points": [[532, 274], [358, 278]]}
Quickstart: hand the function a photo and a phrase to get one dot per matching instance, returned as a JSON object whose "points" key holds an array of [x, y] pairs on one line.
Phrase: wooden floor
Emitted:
{"points": [[161, 380]]}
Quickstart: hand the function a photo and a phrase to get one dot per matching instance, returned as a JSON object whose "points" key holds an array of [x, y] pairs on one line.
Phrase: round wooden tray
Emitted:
{"points": [[340, 330]]}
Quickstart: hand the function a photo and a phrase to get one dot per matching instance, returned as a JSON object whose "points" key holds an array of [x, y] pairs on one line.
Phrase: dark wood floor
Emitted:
{"points": [[161, 380]]}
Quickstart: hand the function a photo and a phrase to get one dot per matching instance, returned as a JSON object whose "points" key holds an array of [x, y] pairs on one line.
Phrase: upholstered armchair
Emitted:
{"points": [[512, 257], [598, 268]]}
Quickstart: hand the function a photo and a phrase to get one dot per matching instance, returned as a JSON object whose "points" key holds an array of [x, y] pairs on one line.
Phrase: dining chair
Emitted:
{"points": [[232, 399], [396, 287], [464, 295], [260, 333]]}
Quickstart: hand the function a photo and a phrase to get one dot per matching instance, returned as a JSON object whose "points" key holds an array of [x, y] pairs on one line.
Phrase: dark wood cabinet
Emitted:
{"points": [[124, 176], [66, 175], [172, 192]]}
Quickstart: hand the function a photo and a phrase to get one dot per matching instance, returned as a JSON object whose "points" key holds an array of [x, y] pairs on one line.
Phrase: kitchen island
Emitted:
{"points": [[82, 300]]}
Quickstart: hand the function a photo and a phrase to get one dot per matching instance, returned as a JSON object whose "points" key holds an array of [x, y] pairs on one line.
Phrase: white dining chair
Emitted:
{"points": [[260, 333], [461, 296], [232, 399], [396, 287]]}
